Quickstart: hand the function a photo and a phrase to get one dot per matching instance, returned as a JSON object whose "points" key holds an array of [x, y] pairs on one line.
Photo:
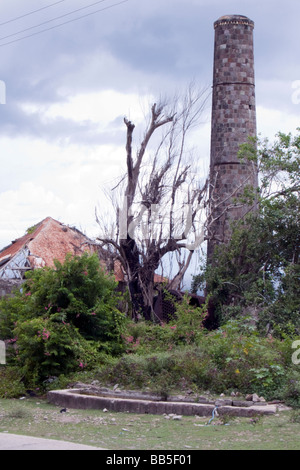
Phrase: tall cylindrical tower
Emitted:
{"points": [[233, 121]]}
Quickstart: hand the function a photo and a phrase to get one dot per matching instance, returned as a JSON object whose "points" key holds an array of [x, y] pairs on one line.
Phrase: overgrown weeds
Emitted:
{"points": [[229, 359]]}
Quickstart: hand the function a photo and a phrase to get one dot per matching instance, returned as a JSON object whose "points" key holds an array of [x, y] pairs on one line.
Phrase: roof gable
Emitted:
{"points": [[50, 240]]}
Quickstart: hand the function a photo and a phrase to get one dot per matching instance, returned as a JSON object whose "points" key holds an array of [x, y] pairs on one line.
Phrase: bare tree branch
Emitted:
{"points": [[151, 220]]}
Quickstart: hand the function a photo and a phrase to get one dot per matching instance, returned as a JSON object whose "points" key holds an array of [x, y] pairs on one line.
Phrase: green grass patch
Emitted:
{"points": [[113, 431]]}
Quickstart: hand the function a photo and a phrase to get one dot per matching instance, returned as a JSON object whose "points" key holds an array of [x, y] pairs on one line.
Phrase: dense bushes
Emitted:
{"points": [[63, 319]]}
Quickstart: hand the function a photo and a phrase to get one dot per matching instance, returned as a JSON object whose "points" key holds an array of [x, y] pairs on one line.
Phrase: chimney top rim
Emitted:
{"points": [[233, 19]]}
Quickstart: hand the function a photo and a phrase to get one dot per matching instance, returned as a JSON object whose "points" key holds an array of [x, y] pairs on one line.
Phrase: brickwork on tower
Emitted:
{"points": [[233, 121]]}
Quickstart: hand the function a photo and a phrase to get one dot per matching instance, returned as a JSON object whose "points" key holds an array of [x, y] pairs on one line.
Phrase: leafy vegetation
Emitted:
{"points": [[64, 319], [258, 272], [232, 358]]}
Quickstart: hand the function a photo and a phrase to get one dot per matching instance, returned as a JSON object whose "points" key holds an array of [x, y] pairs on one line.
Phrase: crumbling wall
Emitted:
{"points": [[8, 286]]}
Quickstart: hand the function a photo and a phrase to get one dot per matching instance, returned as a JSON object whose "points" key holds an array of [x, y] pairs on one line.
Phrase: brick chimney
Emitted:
{"points": [[233, 121]]}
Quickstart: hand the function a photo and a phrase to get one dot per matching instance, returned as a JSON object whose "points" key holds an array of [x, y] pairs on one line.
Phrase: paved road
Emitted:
{"points": [[16, 442]]}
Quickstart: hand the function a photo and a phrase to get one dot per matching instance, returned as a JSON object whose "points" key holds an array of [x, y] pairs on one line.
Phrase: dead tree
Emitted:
{"points": [[161, 203]]}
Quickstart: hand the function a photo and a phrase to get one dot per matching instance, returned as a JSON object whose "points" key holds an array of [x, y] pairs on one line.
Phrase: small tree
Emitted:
{"points": [[161, 207], [258, 271]]}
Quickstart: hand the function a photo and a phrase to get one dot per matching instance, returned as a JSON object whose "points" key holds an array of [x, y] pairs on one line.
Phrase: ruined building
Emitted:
{"points": [[233, 121], [39, 247]]}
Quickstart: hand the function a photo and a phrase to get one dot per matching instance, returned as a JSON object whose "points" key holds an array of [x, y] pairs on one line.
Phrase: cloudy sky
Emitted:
{"points": [[65, 89]]}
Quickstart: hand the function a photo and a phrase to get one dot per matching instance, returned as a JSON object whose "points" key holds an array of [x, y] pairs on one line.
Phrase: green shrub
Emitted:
{"points": [[187, 324], [186, 328], [62, 319], [11, 385], [144, 338], [46, 348], [289, 391]]}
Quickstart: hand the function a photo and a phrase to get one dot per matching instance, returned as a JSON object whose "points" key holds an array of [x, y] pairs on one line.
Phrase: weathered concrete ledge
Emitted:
{"points": [[75, 398]]}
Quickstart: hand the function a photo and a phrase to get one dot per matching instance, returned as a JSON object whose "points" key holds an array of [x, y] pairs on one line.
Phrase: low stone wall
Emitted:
{"points": [[76, 399]]}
